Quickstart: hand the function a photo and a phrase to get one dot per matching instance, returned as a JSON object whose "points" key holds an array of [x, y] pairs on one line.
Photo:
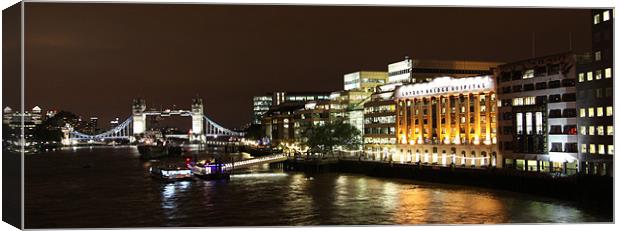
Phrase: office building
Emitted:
{"points": [[538, 128], [595, 94], [262, 103], [278, 123], [365, 81]]}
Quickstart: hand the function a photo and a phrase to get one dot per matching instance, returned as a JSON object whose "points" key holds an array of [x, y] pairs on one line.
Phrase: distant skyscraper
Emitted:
{"points": [[92, 125]]}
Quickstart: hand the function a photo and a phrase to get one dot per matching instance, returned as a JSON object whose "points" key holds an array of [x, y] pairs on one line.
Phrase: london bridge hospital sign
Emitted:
{"points": [[447, 85]]}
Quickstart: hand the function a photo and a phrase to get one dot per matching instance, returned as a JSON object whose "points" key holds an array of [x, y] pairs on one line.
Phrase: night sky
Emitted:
{"points": [[93, 59]]}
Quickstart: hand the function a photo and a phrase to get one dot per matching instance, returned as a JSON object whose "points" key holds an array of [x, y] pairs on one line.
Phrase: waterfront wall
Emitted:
{"points": [[594, 190]]}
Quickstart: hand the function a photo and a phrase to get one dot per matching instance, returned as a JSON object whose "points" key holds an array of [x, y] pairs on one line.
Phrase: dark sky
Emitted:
{"points": [[92, 59]]}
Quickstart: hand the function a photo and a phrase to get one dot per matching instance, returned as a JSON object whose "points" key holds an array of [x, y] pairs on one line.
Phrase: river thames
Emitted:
{"points": [[106, 187]]}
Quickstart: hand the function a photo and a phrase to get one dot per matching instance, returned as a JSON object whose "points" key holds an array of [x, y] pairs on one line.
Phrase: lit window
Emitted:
{"points": [[610, 111], [528, 74], [517, 101], [606, 15], [608, 73], [519, 123], [583, 130], [539, 125], [610, 130], [601, 149], [528, 123], [591, 130], [582, 112], [584, 148], [599, 111], [597, 19], [591, 112], [589, 76], [610, 149], [592, 148], [600, 130], [581, 77], [598, 74], [531, 100], [597, 56]]}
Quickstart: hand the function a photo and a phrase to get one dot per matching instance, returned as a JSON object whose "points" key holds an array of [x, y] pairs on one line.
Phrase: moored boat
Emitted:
{"points": [[171, 173], [210, 171]]}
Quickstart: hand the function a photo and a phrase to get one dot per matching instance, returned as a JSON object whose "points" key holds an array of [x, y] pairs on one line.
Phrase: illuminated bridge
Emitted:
{"points": [[135, 125]]}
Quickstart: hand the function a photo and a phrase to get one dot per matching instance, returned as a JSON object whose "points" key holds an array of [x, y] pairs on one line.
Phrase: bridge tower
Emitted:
{"points": [[197, 120], [139, 117]]}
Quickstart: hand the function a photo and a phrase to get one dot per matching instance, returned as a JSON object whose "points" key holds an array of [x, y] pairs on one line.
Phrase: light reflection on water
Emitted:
{"points": [[116, 191]]}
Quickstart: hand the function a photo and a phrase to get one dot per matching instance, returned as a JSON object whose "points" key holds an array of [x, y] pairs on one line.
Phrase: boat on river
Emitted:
{"points": [[210, 171], [171, 173]]}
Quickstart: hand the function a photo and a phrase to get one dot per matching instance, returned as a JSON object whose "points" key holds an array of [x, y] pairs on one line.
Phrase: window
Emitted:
{"points": [[597, 56], [517, 101], [610, 111], [608, 73], [519, 123], [582, 112], [592, 148], [583, 130], [528, 74], [584, 148], [591, 130], [591, 112], [600, 130], [589, 76], [599, 111], [610, 149], [528, 123], [539, 125], [598, 74], [531, 100], [606, 15], [597, 19], [610, 130], [581, 77], [601, 149]]}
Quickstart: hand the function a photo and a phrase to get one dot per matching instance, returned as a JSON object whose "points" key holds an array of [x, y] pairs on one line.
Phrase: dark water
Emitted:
{"points": [[110, 187]]}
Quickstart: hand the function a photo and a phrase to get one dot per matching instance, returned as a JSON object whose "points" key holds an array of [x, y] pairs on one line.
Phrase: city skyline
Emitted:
{"points": [[210, 115], [260, 48]]}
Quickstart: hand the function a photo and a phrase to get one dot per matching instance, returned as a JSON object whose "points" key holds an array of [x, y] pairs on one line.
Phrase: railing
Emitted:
{"points": [[270, 158]]}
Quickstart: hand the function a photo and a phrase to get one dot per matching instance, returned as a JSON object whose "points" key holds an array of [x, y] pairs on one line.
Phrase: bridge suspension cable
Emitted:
{"points": [[121, 131], [213, 129]]}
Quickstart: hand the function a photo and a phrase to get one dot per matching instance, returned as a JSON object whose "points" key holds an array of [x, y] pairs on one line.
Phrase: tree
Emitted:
{"points": [[326, 138]]}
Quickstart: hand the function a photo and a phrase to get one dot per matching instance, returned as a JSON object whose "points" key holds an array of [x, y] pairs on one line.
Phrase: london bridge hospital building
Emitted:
{"points": [[447, 121]]}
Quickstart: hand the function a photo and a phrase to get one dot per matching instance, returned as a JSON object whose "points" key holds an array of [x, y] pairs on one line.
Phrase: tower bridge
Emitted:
{"points": [[136, 125]]}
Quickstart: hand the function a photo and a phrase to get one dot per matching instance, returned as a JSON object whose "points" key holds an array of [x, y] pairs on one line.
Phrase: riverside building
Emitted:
{"points": [[447, 121], [278, 123], [595, 93], [262, 103], [380, 111], [537, 126]]}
